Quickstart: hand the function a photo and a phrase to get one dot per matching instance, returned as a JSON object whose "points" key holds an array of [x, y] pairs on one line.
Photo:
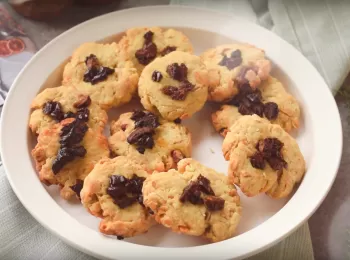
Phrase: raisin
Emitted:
{"points": [[142, 138], [269, 149], [83, 114], [73, 133], [137, 114], [124, 191], [148, 36], [149, 119], [64, 156], [192, 192], [205, 185], [177, 72], [271, 110], [257, 161], [177, 156], [177, 121], [244, 110], [254, 97], [213, 203], [123, 127], [91, 61], [167, 50], [95, 72], [53, 109], [276, 163], [77, 187], [157, 76], [120, 237], [146, 54], [84, 101], [178, 93], [258, 109], [234, 61], [69, 114]]}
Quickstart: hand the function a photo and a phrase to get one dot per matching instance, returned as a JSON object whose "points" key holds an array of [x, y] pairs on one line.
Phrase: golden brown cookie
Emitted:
{"points": [[263, 158], [55, 104], [66, 152], [287, 114], [142, 45], [159, 145], [232, 64], [94, 70], [174, 86], [113, 192], [195, 200]]}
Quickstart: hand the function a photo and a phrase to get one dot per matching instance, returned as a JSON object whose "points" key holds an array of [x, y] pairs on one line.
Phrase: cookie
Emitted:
{"points": [[113, 192], [55, 104], [270, 101], [142, 45], [232, 64], [174, 86], [94, 70], [156, 144], [263, 158], [194, 200], [66, 152]]}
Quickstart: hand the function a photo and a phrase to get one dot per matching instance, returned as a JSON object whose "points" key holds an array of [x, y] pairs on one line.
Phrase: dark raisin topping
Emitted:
{"points": [[192, 193], [66, 155], [177, 156], [124, 191], [249, 102], [177, 121], [157, 76], [167, 50], [70, 137], [73, 133], [95, 72], [269, 149], [77, 187], [142, 136], [204, 184], [257, 161], [214, 203], [53, 109], [149, 50], [178, 93], [149, 119], [84, 101], [120, 237], [69, 115], [137, 114], [177, 72], [271, 110], [234, 61], [148, 36], [123, 127]]}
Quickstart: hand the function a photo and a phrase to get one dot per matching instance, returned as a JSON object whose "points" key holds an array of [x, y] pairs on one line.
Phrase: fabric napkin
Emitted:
{"points": [[315, 27]]}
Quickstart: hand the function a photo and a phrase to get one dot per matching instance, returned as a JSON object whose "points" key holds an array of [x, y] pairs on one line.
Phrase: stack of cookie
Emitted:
{"points": [[143, 172]]}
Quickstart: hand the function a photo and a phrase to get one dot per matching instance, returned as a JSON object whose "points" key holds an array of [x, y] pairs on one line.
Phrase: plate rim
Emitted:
{"points": [[216, 248]]}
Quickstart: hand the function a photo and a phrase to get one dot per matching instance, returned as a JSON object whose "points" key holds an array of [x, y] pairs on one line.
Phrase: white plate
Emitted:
{"points": [[265, 221]]}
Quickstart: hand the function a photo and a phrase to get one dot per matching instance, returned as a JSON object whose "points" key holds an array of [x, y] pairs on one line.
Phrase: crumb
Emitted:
{"points": [[212, 151]]}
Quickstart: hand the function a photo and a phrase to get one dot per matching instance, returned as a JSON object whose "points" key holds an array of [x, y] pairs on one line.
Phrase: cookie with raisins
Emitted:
{"points": [[194, 200]]}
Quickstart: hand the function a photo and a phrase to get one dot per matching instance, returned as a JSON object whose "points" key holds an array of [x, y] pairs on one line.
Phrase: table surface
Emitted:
{"points": [[329, 226]]}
